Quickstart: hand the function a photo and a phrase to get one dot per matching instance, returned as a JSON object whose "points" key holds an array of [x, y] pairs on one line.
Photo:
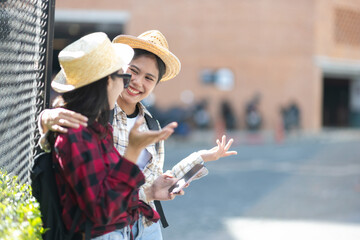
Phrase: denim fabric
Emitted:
{"points": [[120, 234], [147, 233]]}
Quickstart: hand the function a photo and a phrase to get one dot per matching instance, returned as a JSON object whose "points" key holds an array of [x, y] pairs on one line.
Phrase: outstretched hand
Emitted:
{"points": [[59, 119], [139, 140], [221, 150]]}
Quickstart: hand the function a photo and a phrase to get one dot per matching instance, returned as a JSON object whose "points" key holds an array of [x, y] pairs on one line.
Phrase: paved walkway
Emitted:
{"points": [[267, 229], [305, 187]]}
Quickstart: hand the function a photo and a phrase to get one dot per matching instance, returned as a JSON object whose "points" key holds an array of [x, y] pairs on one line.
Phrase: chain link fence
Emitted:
{"points": [[25, 35]]}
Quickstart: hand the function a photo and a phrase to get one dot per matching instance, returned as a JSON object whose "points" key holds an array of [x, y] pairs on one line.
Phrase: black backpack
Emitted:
{"points": [[44, 189]]}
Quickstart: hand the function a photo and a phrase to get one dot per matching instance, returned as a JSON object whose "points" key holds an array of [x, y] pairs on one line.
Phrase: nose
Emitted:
{"points": [[135, 79]]}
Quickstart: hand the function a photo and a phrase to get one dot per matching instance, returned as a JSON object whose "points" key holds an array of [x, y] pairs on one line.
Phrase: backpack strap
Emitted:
{"points": [[153, 124], [111, 116], [160, 210], [74, 224], [88, 230]]}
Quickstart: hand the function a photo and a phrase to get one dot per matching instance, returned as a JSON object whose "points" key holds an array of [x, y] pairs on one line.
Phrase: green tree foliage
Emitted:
{"points": [[20, 217]]}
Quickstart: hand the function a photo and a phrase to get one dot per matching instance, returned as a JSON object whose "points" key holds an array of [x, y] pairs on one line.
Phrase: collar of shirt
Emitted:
{"points": [[119, 113]]}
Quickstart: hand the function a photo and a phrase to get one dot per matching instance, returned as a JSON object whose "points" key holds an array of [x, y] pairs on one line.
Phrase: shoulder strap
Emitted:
{"points": [[160, 210], [152, 124], [111, 116]]}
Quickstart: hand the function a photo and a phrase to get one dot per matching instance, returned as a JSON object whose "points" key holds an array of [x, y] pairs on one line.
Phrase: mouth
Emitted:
{"points": [[131, 91]]}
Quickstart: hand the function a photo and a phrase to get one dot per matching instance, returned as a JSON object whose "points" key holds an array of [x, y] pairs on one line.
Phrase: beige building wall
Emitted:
{"points": [[272, 47]]}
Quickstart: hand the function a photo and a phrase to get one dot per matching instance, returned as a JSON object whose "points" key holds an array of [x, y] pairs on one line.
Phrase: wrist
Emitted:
{"points": [[149, 193], [41, 123], [203, 156], [131, 154]]}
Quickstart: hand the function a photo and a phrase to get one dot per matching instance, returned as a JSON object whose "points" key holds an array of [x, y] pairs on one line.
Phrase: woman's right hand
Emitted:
{"points": [[59, 119], [139, 140], [159, 190]]}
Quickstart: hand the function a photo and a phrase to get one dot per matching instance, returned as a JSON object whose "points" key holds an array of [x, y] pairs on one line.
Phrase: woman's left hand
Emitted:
{"points": [[221, 150]]}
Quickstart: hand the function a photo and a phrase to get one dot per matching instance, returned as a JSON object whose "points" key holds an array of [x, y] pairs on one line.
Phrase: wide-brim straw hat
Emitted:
{"points": [[89, 59], [154, 42]]}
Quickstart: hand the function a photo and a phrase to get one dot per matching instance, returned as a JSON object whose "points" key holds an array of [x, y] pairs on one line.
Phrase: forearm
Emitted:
{"points": [[132, 154], [186, 164]]}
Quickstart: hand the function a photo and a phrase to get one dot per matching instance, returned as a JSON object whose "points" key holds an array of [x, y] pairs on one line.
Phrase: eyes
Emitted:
{"points": [[135, 71]]}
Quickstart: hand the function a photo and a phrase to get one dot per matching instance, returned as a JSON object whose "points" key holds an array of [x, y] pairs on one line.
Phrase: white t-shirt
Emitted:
{"points": [[144, 156]]}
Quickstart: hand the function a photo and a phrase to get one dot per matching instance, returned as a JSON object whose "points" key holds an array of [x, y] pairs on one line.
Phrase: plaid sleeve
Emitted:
{"points": [[103, 189], [186, 164]]}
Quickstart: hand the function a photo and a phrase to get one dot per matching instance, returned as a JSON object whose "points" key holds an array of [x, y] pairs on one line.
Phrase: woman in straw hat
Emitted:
{"points": [[152, 63], [91, 174]]}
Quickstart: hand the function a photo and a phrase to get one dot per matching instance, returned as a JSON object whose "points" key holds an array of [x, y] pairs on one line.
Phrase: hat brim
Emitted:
{"points": [[172, 63], [124, 56]]}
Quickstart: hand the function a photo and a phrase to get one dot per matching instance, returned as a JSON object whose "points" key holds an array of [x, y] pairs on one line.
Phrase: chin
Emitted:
{"points": [[131, 99]]}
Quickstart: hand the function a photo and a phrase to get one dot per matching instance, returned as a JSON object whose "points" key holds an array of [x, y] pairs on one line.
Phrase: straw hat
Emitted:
{"points": [[154, 42], [89, 59]]}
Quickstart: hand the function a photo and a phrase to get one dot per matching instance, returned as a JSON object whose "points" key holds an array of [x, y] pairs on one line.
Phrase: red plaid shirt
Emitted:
{"points": [[92, 176]]}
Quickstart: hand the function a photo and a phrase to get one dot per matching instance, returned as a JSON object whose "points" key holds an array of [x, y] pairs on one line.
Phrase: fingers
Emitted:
{"points": [[180, 193], [228, 145], [57, 128], [166, 134], [173, 195], [162, 134], [229, 153], [223, 141], [59, 118], [224, 146], [70, 123], [167, 176], [75, 118], [167, 131], [172, 125]]}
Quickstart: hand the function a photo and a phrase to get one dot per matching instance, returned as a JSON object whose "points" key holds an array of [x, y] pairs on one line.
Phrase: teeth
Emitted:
{"points": [[133, 91]]}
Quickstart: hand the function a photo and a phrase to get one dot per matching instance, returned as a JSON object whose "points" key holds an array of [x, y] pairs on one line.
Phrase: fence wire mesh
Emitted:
{"points": [[23, 36]]}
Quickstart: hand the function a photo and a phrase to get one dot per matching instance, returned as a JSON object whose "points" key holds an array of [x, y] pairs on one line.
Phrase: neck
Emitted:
{"points": [[127, 108]]}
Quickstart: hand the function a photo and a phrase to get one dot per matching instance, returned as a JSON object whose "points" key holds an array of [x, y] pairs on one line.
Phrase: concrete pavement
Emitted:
{"points": [[306, 187]]}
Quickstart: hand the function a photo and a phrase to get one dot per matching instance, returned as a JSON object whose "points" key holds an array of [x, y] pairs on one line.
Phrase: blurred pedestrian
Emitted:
{"points": [[253, 117], [228, 115]]}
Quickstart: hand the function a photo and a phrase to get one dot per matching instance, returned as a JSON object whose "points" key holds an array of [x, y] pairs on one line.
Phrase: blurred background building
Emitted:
{"points": [[267, 61]]}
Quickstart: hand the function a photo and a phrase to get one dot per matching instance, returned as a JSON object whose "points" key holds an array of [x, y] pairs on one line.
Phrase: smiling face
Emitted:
{"points": [[145, 75]]}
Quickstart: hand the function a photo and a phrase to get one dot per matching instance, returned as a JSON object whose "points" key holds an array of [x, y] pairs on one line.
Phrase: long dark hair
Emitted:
{"points": [[90, 101], [160, 64]]}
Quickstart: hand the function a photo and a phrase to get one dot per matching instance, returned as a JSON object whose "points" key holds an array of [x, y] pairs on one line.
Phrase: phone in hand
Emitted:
{"points": [[187, 178]]}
